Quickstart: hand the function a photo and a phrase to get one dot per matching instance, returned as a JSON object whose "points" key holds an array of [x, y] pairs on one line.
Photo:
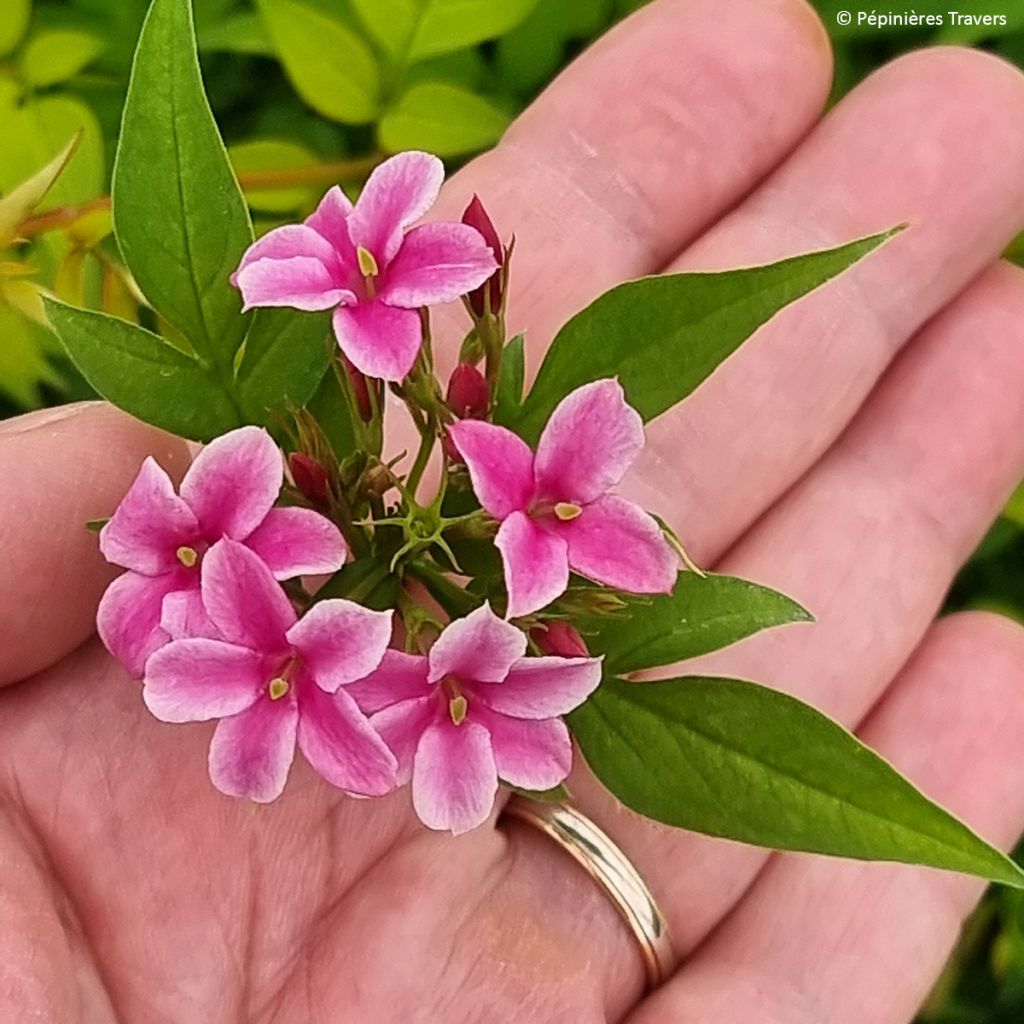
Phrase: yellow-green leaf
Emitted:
{"points": [[273, 155], [14, 17], [19, 204], [332, 69], [56, 55], [442, 118]]}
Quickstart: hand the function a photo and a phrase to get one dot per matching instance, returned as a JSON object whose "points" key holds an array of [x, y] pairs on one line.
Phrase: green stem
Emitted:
{"points": [[412, 481]]}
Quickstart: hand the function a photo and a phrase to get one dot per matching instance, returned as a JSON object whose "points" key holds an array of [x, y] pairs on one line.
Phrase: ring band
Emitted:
{"points": [[610, 868]]}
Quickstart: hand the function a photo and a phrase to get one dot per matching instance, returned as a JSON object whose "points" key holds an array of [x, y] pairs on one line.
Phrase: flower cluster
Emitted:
{"points": [[440, 650]]}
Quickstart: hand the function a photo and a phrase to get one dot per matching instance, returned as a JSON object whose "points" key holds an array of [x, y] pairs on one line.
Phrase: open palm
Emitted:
{"points": [[852, 455]]}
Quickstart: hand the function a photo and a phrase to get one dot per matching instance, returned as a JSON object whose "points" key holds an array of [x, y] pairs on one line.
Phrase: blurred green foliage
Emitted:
{"points": [[307, 92]]}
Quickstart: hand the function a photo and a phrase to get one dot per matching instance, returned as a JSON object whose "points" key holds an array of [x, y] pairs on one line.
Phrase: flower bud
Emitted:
{"points": [[468, 394], [476, 217], [310, 478], [360, 390], [561, 639]]}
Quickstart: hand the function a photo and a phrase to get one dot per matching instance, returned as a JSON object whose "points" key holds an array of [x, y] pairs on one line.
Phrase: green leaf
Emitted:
{"points": [[509, 392], [733, 759], [14, 18], [662, 336], [443, 118], [143, 374], [179, 215], [699, 616], [332, 69], [57, 55], [286, 354], [446, 25], [330, 410], [21, 201]]}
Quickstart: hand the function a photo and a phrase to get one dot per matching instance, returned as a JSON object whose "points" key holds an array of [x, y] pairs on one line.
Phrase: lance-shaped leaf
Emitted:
{"points": [[143, 374], [702, 614], [509, 392], [736, 760], [285, 356], [662, 336], [179, 215]]}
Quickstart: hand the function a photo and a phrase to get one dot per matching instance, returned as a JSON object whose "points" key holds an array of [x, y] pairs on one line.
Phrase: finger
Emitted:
{"points": [[869, 542], [62, 467], [646, 139], [851, 942], [932, 139]]}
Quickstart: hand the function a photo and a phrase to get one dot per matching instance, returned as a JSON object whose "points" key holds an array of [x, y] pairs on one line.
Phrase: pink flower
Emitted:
{"points": [[555, 510], [472, 711], [274, 682], [363, 262], [161, 538]]}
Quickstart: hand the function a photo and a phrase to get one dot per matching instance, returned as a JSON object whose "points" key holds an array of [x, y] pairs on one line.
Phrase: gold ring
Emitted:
{"points": [[610, 868]]}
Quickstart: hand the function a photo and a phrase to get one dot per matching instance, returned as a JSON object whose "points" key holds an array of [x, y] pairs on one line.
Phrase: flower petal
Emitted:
{"points": [[588, 444], [534, 755], [381, 341], [399, 677], [298, 542], [340, 641], [478, 648], [251, 752], [183, 615], [617, 543], [298, 283], [437, 263], [454, 780], [396, 195], [341, 745], [330, 219], [233, 483], [149, 525], [542, 687], [500, 465], [196, 680], [128, 617], [536, 564], [401, 725], [290, 242], [243, 599]]}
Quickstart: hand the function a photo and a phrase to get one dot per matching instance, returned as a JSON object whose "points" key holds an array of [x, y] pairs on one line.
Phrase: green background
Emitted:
{"points": [[311, 91]]}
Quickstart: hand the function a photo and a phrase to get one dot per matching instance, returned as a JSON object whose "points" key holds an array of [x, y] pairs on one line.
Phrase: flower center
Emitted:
{"points": [[279, 686], [369, 269], [563, 511], [566, 511], [187, 556], [458, 706]]}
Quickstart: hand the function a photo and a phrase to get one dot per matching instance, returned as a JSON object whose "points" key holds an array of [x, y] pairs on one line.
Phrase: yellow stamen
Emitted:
{"points": [[367, 263], [278, 688], [187, 556], [567, 511], [457, 708]]}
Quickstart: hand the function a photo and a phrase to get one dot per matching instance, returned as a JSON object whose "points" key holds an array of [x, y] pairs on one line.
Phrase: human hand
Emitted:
{"points": [[133, 891]]}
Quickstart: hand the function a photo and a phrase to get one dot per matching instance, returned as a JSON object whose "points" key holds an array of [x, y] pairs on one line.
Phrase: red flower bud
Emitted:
{"points": [[561, 639], [469, 397], [476, 217], [360, 390], [310, 478]]}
